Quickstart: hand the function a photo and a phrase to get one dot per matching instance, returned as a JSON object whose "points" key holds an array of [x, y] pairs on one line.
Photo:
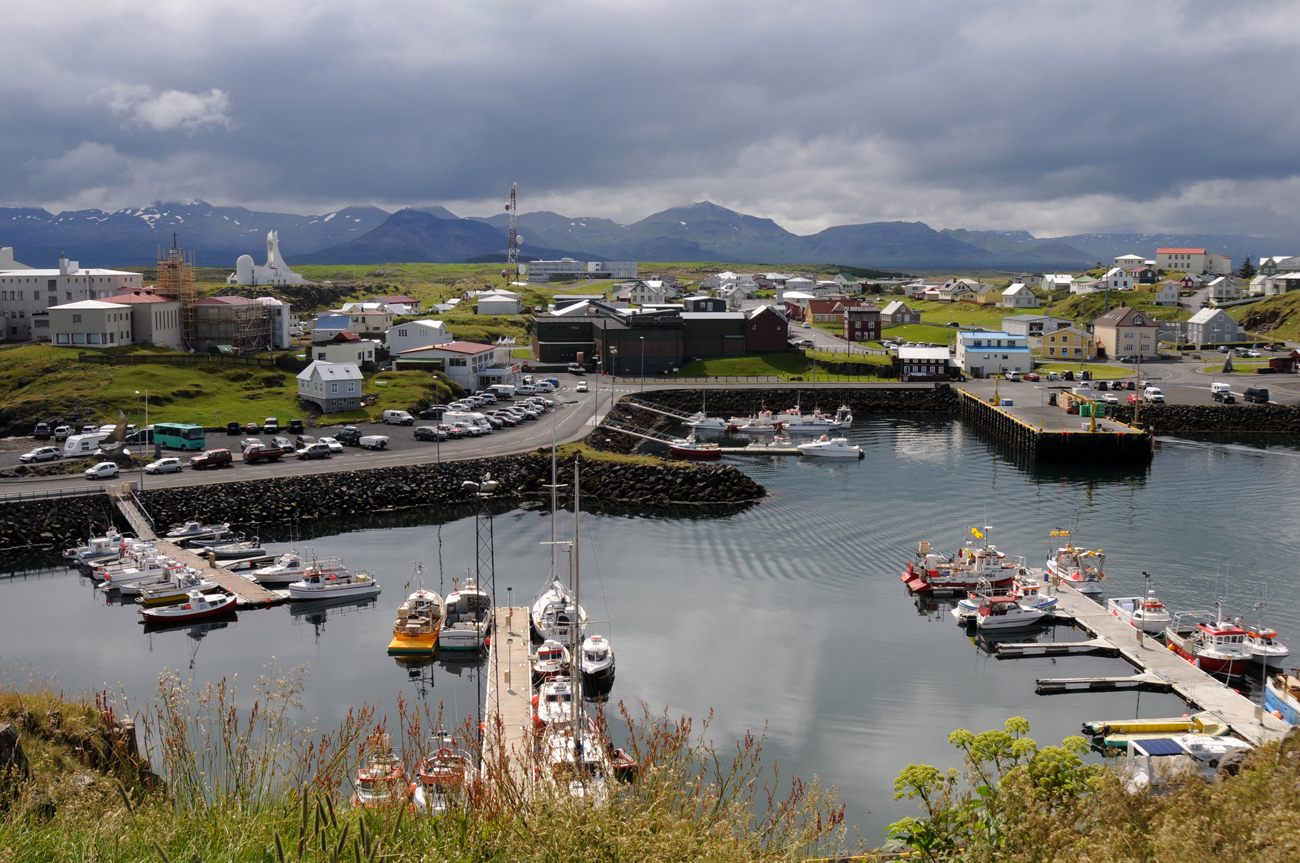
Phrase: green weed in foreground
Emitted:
{"points": [[247, 784]]}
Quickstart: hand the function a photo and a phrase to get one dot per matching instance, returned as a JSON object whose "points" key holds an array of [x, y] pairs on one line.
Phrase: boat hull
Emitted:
{"points": [[1233, 666], [350, 591], [174, 614], [1281, 703], [423, 644], [693, 454], [462, 639]]}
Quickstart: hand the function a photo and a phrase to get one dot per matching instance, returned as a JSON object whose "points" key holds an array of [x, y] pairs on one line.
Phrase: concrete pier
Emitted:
{"points": [[1049, 433], [510, 693]]}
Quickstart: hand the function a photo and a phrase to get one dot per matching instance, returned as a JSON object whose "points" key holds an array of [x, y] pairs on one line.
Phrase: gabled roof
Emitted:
{"points": [[331, 371], [1113, 271], [895, 307], [1204, 316], [780, 313], [1124, 317], [906, 353], [1016, 290], [225, 301], [90, 304]]}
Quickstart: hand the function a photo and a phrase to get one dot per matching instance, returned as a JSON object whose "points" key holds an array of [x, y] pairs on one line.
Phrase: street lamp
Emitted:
{"points": [[642, 338]]}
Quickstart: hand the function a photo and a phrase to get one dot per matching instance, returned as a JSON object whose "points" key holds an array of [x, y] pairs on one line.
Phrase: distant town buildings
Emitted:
{"points": [[275, 271], [499, 302], [26, 295], [1126, 332], [1191, 260], [566, 269]]}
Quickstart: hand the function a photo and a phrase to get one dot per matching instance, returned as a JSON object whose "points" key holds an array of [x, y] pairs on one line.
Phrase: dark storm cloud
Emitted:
{"points": [[1053, 116]]}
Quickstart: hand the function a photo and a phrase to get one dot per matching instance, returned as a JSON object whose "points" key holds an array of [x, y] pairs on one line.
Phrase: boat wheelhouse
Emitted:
{"points": [[415, 632], [1078, 567], [1217, 647]]}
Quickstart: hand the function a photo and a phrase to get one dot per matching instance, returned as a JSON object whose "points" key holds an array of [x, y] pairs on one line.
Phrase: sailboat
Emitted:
{"points": [[555, 612]]}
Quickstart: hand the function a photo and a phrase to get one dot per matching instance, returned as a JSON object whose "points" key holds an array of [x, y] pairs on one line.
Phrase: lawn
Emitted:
{"points": [[1100, 372], [787, 365], [933, 312], [922, 333]]}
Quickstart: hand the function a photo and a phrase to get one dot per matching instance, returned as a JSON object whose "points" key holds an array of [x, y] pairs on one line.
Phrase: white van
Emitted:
{"points": [[503, 391], [1154, 395], [83, 444], [470, 420], [398, 418]]}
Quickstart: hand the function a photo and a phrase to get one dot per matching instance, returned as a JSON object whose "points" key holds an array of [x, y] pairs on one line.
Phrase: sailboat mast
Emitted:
{"points": [[575, 636], [554, 500]]}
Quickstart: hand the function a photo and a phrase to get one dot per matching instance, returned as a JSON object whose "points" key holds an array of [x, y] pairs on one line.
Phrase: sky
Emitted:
{"points": [[1055, 117]]}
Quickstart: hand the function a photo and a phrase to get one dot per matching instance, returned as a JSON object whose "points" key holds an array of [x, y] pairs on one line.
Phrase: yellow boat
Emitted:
{"points": [[419, 619], [1118, 732]]}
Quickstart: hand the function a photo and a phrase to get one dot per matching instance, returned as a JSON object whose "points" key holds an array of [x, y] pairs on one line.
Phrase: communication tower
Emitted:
{"points": [[512, 253], [176, 281]]}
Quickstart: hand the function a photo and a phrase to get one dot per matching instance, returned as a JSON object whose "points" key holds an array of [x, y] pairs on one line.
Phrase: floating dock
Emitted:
{"points": [[1161, 668], [1145, 680], [1050, 433], [510, 694], [759, 450], [1060, 648]]}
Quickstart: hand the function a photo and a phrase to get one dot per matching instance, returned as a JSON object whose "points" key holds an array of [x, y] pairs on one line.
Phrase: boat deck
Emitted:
{"points": [[1194, 686], [510, 693]]}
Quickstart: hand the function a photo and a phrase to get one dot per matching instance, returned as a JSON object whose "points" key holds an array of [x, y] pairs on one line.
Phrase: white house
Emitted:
{"points": [[1057, 281], [417, 334], [331, 386], [365, 317], [802, 285], [1224, 289], [472, 365], [982, 354], [1193, 261], [281, 315], [1118, 279], [346, 349], [1212, 326], [1019, 296], [275, 272], [644, 293], [1130, 262], [499, 302]]}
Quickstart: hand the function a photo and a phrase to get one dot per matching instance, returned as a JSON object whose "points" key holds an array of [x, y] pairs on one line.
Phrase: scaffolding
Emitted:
{"points": [[176, 281]]}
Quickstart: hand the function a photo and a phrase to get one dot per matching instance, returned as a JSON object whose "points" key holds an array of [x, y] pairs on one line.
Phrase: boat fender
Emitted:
{"points": [[187, 606], [444, 754], [1277, 714]]}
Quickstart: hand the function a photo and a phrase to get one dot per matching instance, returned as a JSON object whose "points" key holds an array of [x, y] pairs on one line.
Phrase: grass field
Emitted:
{"points": [[963, 313], [922, 333], [787, 365], [1100, 372]]}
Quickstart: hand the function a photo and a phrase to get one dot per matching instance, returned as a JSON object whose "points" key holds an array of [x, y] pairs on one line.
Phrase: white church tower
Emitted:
{"points": [[276, 271]]}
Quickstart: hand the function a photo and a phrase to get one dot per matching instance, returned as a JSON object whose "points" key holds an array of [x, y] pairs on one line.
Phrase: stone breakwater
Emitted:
{"points": [[1213, 419], [51, 524], [330, 495]]}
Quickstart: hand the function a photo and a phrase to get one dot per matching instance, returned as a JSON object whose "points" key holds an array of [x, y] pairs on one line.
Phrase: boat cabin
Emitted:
{"points": [[596, 649], [995, 606]]}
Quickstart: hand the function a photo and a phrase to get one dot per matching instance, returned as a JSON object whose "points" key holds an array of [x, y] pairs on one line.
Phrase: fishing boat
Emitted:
{"points": [[98, 548], [381, 779], [700, 422], [691, 449], [330, 585], [197, 606], [831, 447], [291, 567], [1143, 612], [844, 416], [931, 573], [597, 661], [1282, 696], [550, 661], [198, 530], [443, 779], [176, 589], [469, 617], [763, 422], [1024, 588], [135, 574], [233, 550], [1007, 612], [1265, 647], [554, 702], [415, 632], [1216, 647], [1077, 567]]}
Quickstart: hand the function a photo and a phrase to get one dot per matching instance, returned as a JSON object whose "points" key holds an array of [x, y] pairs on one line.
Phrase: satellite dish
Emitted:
{"points": [[507, 208], [519, 241]]}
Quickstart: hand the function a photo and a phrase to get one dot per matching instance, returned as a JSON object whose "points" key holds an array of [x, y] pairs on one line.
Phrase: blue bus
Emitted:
{"points": [[179, 435]]}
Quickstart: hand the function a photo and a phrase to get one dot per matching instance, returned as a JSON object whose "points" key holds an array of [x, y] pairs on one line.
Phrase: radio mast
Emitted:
{"points": [[512, 254]]}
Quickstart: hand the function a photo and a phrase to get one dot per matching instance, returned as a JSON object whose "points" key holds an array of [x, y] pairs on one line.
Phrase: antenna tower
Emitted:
{"points": [[512, 254]]}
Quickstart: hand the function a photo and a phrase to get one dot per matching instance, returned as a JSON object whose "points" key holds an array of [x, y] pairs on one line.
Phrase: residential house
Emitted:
{"points": [[1033, 326], [345, 348], [896, 313], [1125, 332], [367, 317], [829, 311], [330, 386], [923, 364], [1190, 282], [861, 322], [1086, 285], [470, 364], [643, 293], [803, 285], [1145, 276], [1211, 327], [984, 295], [416, 334], [952, 290], [1193, 261], [1130, 263], [1019, 296], [401, 306], [796, 304], [1069, 343], [1057, 281], [704, 304], [330, 324], [1278, 264], [766, 331], [982, 354], [1271, 286], [1117, 279], [1224, 289], [912, 289], [1166, 293], [498, 302]]}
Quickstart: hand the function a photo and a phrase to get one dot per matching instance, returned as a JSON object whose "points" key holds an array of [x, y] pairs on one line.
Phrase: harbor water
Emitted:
{"points": [[787, 616]]}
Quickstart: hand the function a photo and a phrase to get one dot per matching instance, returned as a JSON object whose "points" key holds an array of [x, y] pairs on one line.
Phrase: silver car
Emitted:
{"points": [[41, 453]]}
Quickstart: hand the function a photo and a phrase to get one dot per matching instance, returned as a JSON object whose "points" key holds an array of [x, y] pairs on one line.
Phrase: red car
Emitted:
{"points": [[1135, 399], [211, 458], [1031, 376], [262, 452]]}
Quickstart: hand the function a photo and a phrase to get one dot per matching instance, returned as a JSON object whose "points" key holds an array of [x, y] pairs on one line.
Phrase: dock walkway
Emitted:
{"points": [[1194, 686], [510, 691]]}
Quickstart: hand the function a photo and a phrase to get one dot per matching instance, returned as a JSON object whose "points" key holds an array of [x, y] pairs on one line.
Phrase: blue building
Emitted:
{"points": [[983, 354]]}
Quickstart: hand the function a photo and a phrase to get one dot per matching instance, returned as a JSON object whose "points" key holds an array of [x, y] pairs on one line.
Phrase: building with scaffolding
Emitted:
{"points": [[176, 281], [242, 323]]}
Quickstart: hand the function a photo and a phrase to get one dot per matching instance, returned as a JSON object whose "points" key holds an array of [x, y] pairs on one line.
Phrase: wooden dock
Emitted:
{"points": [[1021, 650], [1247, 719], [510, 692]]}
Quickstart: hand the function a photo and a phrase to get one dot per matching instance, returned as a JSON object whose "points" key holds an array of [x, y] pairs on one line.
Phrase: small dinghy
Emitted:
{"points": [[196, 607]]}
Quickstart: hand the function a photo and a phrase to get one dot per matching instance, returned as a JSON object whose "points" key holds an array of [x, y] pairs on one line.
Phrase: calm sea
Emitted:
{"points": [[787, 616]]}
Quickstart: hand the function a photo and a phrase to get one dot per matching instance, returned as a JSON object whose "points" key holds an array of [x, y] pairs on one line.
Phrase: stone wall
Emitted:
{"points": [[1213, 419], [52, 524], [331, 495]]}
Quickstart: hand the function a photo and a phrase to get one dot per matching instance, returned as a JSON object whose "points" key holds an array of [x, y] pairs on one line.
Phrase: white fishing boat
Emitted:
{"points": [[444, 778], [1077, 567], [292, 567], [177, 589], [844, 416], [550, 661], [469, 617], [700, 422], [332, 585], [1143, 612], [198, 530], [972, 566], [555, 702], [1007, 612], [831, 447], [763, 422], [1265, 647], [98, 548], [597, 661], [233, 550], [197, 606], [795, 421], [170, 574], [1024, 588], [381, 778], [149, 569]]}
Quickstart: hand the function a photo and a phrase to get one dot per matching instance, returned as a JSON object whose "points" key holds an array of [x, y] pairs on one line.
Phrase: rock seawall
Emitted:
{"points": [[1214, 419], [742, 402], [53, 523], [329, 495]]}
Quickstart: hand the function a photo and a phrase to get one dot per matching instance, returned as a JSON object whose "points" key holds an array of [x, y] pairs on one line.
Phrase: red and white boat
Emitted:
{"points": [[974, 566], [1220, 648], [763, 422], [381, 778], [1077, 567], [443, 779], [550, 661], [691, 449], [197, 606]]}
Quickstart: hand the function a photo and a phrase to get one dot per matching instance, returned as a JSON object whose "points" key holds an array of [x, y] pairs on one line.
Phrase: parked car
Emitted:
{"points": [[232, 428], [165, 465], [336, 448], [303, 440], [543, 387], [1111, 399], [434, 412], [398, 418], [806, 325], [1225, 396], [488, 398], [1253, 354], [211, 458], [525, 390], [140, 436], [1053, 376], [1014, 376], [429, 433], [507, 419], [1031, 376], [1255, 394], [41, 453], [1101, 386], [252, 428], [295, 427], [581, 387], [271, 425], [61, 433], [249, 441], [348, 435], [42, 431], [1135, 399], [314, 450], [453, 432], [103, 470], [1154, 395], [283, 443], [575, 369]]}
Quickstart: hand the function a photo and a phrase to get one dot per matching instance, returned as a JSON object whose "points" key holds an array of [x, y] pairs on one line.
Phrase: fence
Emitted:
{"points": [[175, 360], [51, 492]]}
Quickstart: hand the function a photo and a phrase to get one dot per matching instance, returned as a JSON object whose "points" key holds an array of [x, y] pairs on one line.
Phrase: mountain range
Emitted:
{"points": [[697, 232]]}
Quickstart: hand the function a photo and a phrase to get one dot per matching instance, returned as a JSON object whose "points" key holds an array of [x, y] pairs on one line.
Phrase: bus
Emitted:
{"points": [[178, 435]]}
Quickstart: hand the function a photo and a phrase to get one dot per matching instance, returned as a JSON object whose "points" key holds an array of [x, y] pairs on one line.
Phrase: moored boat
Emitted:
{"points": [[291, 567], [844, 416], [415, 632], [929, 572], [444, 778], [98, 548], [831, 447], [1024, 588], [177, 589], [554, 702], [1080, 568], [597, 661], [1216, 647], [1265, 647], [763, 422], [1007, 612], [1282, 696], [330, 585], [550, 661], [554, 612], [381, 779], [691, 449], [468, 623], [197, 606], [1143, 612], [233, 550], [198, 530]]}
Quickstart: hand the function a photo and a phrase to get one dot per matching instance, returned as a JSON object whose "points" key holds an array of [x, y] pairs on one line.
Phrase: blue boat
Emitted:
{"points": [[1282, 697]]}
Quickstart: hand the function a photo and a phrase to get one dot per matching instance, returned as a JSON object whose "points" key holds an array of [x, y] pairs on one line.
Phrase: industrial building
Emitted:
{"points": [[567, 269], [26, 295]]}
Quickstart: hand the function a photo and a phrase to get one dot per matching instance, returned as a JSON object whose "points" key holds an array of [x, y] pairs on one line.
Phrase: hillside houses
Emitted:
{"points": [[1019, 296]]}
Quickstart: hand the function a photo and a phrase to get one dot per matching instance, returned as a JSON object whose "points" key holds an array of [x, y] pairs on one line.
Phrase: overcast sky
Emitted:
{"points": [[1054, 117]]}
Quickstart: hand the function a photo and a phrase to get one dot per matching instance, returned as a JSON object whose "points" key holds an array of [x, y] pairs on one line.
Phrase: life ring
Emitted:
{"points": [[444, 754]]}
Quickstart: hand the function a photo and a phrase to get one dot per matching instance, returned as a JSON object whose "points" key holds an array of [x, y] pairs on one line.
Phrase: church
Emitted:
{"points": [[276, 271]]}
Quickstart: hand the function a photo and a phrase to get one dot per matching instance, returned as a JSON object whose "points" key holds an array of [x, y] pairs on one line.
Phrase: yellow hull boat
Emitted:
{"points": [[422, 644]]}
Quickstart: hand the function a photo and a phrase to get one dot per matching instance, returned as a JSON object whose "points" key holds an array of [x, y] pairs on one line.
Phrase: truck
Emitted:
{"points": [[502, 391], [261, 452]]}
